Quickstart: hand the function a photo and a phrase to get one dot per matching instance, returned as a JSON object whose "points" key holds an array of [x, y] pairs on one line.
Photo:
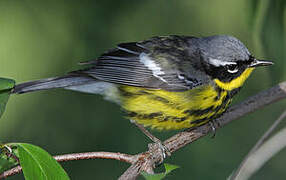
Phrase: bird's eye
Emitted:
{"points": [[233, 68]]}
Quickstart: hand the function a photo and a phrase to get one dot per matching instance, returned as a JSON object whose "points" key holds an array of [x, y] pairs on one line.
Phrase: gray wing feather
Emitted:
{"points": [[122, 65]]}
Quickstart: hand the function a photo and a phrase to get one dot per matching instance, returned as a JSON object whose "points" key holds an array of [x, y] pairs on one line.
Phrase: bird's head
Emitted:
{"points": [[227, 60]]}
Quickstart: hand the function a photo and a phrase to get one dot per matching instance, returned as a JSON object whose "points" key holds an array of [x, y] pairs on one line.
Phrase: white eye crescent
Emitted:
{"points": [[232, 69]]}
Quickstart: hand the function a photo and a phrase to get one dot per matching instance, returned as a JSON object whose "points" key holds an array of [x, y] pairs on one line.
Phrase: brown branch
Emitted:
{"points": [[146, 161], [96, 155], [80, 156]]}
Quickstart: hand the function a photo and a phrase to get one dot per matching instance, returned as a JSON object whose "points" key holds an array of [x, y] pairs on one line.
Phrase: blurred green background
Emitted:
{"points": [[40, 39]]}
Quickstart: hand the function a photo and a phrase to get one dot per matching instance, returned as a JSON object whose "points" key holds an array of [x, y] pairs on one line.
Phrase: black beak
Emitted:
{"points": [[256, 63]]}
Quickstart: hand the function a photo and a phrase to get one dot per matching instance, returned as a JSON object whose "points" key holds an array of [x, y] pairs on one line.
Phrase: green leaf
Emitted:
{"points": [[6, 85], [168, 168], [39, 164], [153, 176]]}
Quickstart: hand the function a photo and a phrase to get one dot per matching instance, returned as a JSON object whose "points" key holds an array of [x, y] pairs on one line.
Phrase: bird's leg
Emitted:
{"points": [[165, 151], [214, 124], [213, 128]]}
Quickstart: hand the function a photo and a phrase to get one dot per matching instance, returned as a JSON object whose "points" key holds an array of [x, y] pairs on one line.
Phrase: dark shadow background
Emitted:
{"points": [[40, 39]]}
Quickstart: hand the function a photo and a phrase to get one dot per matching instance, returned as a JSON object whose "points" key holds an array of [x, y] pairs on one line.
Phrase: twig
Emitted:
{"points": [[146, 161], [236, 174], [97, 155], [81, 156]]}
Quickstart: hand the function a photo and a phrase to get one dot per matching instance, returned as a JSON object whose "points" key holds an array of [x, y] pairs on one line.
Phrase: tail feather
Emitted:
{"points": [[52, 83]]}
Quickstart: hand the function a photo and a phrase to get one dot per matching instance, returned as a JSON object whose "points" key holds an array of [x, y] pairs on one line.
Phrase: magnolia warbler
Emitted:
{"points": [[165, 82]]}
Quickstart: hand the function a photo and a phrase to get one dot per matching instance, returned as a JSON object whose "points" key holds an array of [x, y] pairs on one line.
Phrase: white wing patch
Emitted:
{"points": [[218, 63], [150, 64]]}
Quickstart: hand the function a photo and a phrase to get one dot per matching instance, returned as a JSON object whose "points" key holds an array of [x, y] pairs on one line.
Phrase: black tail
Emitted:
{"points": [[51, 83]]}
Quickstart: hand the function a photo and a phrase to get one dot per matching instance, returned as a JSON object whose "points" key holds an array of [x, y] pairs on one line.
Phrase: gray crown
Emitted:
{"points": [[223, 47]]}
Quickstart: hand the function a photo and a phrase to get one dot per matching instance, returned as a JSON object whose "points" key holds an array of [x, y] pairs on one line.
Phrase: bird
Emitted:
{"points": [[165, 82]]}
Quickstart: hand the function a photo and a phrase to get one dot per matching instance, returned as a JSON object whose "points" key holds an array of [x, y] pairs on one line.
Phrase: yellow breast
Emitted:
{"points": [[162, 109]]}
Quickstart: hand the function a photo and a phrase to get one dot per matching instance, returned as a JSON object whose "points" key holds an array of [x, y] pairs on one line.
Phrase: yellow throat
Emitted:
{"points": [[235, 83]]}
